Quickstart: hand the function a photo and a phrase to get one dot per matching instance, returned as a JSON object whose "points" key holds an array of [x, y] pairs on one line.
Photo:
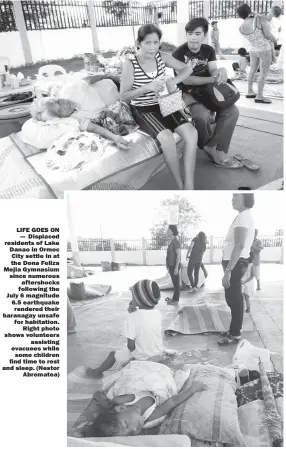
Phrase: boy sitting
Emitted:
{"points": [[142, 328], [240, 66]]}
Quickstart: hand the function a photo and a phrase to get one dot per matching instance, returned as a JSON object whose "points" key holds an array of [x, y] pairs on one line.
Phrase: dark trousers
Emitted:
{"points": [[233, 295], [193, 267], [176, 283]]}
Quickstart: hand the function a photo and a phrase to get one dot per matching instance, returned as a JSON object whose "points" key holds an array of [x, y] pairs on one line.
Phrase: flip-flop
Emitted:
{"points": [[229, 163], [264, 101], [168, 299], [250, 96], [246, 162]]}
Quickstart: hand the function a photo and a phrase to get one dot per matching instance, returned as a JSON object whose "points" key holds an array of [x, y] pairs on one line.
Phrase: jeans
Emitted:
{"points": [[193, 267], [226, 120], [176, 283], [233, 295]]}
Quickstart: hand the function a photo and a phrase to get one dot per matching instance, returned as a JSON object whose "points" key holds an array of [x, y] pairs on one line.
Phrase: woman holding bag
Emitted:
{"points": [[256, 30], [143, 81]]}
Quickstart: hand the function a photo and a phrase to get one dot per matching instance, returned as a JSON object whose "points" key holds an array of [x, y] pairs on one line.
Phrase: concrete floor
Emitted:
{"points": [[99, 321], [258, 136]]}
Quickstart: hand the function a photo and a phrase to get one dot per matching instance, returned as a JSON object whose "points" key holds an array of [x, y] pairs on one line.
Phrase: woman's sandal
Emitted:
{"points": [[228, 340], [263, 100], [227, 163], [170, 302], [246, 162], [250, 96]]}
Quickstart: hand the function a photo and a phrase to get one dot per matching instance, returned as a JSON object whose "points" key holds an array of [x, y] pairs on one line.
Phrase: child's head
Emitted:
{"points": [[242, 51], [276, 11], [145, 294], [214, 25], [113, 423]]}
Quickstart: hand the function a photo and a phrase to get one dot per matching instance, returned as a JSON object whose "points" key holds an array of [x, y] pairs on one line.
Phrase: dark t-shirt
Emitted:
{"points": [[202, 57], [197, 251], [171, 252]]}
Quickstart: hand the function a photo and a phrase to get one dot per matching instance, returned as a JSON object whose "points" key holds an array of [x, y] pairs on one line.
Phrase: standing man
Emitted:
{"points": [[215, 39], [202, 57], [256, 249]]}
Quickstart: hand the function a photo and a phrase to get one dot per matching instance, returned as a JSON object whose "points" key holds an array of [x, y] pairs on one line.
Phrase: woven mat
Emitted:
{"points": [[18, 180]]}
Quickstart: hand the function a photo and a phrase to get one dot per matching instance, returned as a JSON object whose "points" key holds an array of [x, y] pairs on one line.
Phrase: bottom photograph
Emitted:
{"points": [[175, 319]]}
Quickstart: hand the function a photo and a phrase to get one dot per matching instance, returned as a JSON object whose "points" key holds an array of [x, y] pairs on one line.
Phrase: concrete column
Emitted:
{"points": [[20, 24], [182, 20], [144, 253], [112, 246], [73, 236], [92, 20], [282, 255], [207, 13], [211, 249]]}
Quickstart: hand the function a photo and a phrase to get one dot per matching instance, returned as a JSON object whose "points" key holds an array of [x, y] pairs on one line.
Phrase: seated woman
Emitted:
{"points": [[143, 79], [141, 396], [79, 99]]}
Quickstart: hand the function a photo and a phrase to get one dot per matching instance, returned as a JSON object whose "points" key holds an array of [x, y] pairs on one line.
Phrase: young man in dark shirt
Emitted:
{"points": [[203, 59]]}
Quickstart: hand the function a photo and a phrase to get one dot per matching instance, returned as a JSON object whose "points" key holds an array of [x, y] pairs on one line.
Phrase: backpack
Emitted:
{"points": [[216, 96]]}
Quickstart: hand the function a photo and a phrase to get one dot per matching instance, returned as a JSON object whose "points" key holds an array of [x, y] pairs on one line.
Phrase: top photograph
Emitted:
{"points": [[137, 95]]}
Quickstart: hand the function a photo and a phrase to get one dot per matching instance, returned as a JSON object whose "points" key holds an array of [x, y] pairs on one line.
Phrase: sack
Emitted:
{"points": [[216, 96], [171, 103], [249, 355]]}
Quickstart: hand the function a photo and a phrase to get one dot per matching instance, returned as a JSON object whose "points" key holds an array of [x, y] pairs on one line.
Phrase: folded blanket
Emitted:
{"points": [[205, 315]]}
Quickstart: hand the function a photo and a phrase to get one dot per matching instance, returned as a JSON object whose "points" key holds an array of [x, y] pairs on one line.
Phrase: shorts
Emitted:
{"points": [[256, 271], [122, 357], [150, 119]]}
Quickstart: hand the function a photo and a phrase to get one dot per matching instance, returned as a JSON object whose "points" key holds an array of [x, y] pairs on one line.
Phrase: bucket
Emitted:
{"points": [[12, 118]]}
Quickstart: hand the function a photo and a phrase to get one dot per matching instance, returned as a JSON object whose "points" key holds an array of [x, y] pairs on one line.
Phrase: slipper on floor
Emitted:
{"points": [[264, 101], [246, 162], [168, 299], [172, 303], [229, 163], [250, 96]]}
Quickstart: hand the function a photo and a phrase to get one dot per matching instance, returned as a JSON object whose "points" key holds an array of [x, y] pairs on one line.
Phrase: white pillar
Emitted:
{"points": [[144, 251], [207, 13], [211, 249], [92, 21], [73, 237], [112, 246], [21, 25], [182, 20]]}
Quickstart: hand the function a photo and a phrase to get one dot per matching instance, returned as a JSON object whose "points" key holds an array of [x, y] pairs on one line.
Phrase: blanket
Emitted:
{"points": [[205, 315], [101, 166]]}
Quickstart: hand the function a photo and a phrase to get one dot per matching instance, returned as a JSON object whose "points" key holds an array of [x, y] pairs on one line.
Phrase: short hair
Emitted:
{"points": [[105, 425], [198, 22], [149, 28], [174, 229], [248, 199], [243, 11], [242, 51], [277, 11]]}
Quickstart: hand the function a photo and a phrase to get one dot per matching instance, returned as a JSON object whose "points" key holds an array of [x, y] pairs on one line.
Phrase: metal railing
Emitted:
{"points": [[161, 244], [7, 19], [196, 8], [220, 9], [55, 15]]}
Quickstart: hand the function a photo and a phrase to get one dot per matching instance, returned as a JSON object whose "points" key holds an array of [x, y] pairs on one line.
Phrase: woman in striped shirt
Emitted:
{"points": [[143, 79]]}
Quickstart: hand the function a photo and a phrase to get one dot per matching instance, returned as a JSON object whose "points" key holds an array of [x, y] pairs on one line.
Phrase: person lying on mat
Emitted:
{"points": [[150, 394], [80, 100], [142, 328]]}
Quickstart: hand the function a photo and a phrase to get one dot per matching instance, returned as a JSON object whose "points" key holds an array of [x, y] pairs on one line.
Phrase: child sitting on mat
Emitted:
{"points": [[142, 328], [248, 284]]}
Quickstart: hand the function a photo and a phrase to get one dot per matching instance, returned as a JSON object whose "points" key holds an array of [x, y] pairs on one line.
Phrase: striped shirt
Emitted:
{"points": [[141, 78]]}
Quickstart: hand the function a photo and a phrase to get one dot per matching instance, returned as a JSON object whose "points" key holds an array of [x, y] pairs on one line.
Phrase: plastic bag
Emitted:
{"points": [[249, 355]]}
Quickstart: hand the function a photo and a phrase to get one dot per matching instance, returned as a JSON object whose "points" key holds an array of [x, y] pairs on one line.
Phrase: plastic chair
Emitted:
{"points": [[50, 70], [4, 60]]}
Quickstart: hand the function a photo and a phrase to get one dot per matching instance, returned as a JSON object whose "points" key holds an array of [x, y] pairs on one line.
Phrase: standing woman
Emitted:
{"points": [[195, 256], [143, 78], [173, 263], [235, 260], [256, 30]]}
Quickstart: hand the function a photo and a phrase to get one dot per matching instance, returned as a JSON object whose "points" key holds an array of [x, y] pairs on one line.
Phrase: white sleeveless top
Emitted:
{"points": [[256, 38]]}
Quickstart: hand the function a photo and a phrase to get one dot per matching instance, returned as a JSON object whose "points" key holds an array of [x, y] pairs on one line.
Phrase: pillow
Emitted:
{"points": [[208, 415], [107, 91], [43, 134], [85, 96]]}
